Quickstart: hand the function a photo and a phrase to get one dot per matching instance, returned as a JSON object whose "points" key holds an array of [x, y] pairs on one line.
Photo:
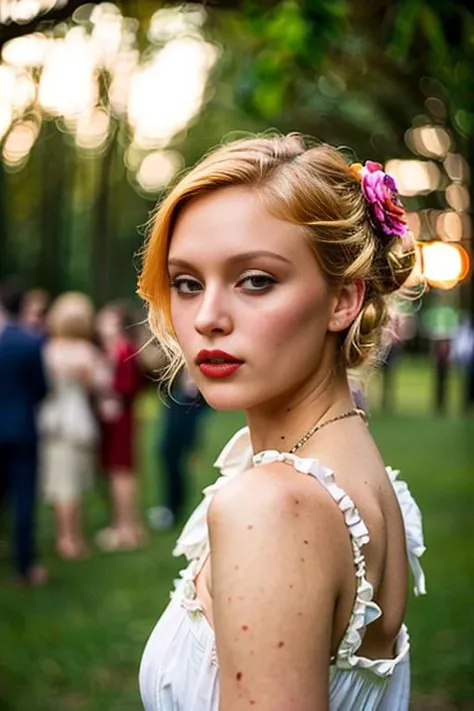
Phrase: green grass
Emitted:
{"points": [[76, 644]]}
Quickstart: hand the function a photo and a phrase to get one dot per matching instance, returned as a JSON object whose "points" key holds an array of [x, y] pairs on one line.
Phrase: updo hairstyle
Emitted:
{"points": [[308, 185]]}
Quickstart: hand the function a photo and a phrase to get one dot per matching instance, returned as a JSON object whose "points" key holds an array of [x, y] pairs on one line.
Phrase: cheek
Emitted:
{"points": [[182, 322], [178, 320], [300, 320]]}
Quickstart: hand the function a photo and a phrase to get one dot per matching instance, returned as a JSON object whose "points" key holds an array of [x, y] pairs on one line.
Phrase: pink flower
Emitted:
{"points": [[387, 213]]}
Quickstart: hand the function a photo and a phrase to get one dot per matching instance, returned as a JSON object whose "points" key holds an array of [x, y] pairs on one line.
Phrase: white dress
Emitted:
{"points": [[69, 433], [179, 669]]}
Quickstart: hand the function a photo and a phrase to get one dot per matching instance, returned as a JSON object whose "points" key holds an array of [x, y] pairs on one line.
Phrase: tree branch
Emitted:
{"points": [[56, 14], [12, 30]]}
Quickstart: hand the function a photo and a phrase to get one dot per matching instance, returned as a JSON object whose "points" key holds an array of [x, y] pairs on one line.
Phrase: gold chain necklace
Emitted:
{"points": [[315, 428]]}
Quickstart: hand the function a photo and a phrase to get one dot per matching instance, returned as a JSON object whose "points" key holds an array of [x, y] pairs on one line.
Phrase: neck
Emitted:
{"points": [[279, 425]]}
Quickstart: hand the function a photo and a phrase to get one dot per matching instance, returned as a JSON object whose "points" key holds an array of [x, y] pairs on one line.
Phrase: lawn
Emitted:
{"points": [[76, 644]]}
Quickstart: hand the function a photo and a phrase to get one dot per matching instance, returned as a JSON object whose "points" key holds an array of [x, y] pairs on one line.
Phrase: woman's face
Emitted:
{"points": [[248, 285], [108, 324]]}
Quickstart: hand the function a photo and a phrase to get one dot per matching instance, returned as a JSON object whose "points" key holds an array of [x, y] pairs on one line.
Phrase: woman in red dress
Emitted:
{"points": [[116, 411]]}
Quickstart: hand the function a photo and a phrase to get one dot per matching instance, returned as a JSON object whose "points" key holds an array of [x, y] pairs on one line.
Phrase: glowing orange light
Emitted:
{"points": [[444, 264]]}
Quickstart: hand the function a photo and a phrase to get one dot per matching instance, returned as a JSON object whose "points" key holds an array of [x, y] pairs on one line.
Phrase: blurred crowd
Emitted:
{"points": [[69, 379]]}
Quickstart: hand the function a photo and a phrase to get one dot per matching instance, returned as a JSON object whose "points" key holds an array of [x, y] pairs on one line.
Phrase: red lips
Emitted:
{"points": [[217, 364]]}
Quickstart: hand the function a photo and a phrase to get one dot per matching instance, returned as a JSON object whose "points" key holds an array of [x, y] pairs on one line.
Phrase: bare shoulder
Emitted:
{"points": [[267, 486], [276, 503], [276, 576]]}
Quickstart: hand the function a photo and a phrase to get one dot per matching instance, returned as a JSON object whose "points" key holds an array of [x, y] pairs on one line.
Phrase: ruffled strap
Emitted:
{"points": [[365, 609], [325, 475], [235, 458], [413, 528]]}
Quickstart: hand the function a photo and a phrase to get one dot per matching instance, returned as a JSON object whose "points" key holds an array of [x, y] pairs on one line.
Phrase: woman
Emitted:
{"points": [[116, 408], [69, 430], [267, 272]]}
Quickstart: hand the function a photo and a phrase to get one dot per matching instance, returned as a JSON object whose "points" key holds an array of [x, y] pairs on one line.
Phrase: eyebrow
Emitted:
{"points": [[236, 259]]}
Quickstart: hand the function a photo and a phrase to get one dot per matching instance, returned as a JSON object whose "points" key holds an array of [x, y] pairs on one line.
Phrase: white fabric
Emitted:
{"points": [[179, 669], [66, 413]]}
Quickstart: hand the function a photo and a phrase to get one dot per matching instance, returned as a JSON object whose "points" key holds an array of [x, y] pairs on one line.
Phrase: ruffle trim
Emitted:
{"points": [[381, 667], [236, 457], [365, 610], [185, 588], [413, 522]]}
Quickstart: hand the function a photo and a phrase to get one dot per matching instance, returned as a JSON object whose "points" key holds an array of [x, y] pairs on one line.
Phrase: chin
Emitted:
{"points": [[226, 397]]}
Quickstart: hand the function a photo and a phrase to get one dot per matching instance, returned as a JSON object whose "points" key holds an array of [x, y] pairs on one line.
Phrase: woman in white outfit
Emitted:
{"points": [[267, 272], [76, 370]]}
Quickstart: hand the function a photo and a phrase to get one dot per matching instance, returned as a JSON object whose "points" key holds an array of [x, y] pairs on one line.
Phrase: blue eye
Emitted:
{"points": [[257, 282], [185, 285]]}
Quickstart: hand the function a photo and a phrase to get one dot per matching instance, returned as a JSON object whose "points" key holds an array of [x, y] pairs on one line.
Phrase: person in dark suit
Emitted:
{"points": [[22, 387], [182, 415]]}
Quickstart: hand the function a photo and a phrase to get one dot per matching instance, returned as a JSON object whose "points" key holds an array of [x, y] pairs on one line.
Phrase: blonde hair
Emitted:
{"points": [[71, 316], [307, 184]]}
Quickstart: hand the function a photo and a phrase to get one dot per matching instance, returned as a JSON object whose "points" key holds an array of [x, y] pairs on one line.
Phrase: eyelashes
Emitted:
{"points": [[185, 285], [257, 282]]}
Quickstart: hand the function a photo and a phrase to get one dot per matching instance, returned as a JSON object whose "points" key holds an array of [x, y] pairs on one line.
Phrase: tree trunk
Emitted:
{"points": [[100, 257], [50, 268]]}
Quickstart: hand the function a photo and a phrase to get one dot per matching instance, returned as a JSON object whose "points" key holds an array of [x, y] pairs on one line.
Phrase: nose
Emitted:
{"points": [[213, 316]]}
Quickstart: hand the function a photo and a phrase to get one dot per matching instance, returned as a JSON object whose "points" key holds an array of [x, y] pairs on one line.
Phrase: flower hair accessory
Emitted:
{"points": [[387, 214]]}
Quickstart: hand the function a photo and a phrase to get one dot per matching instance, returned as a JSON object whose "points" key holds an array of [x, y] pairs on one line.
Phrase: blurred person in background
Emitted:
{"points": [[389, 361], [22, 387], [179, 427], [34, 312], [118, 427], [462, 353], [70, 433], [470, 383]]}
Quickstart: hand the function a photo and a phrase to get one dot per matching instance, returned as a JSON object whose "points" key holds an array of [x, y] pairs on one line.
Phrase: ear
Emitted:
{"points": [[347, 305]]}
